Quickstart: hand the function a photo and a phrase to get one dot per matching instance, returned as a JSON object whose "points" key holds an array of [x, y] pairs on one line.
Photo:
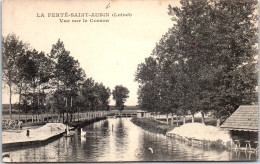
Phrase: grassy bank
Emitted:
{"points": [[152, 125]]}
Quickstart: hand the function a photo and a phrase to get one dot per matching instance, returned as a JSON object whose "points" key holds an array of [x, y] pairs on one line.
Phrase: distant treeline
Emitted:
{"points": [[6, 107], [48, 82]]}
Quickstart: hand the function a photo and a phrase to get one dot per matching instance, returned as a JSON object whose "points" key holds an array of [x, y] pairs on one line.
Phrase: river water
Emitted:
{"points": [[122, 142]]}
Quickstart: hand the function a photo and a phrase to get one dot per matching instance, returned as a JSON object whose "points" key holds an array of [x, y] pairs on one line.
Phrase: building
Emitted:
{"points": [[142, 114], [245, 118], [243, 124]]}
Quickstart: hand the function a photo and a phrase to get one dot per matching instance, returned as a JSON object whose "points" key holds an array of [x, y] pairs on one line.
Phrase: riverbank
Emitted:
{"points": [[19, 138], [41, 133], [152, 125], [202, 135], [86, 122], [192, 133], [16, 139]]}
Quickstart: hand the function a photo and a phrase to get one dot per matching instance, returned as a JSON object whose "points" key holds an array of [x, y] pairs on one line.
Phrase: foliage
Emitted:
{"points": [[205, 62], [120, 94], [52, 82], [12, 48]]}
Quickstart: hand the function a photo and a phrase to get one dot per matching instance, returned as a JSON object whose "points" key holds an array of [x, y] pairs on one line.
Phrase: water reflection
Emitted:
{"points": [[126, 142]]}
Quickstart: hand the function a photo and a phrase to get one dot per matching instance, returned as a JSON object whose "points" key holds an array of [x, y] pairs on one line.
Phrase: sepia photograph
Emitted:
{"points": [[129, 81]]}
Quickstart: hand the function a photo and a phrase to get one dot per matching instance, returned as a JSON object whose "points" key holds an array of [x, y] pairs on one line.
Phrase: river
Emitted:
{"points": [[120, 140]]}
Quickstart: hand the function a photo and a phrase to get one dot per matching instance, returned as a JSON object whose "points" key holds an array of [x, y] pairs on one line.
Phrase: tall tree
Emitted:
{"points": [[215, 64], [26, 73], [57, 51], [120, 94], [206, 61], [88, 94], [12, 47], [148, 93]]}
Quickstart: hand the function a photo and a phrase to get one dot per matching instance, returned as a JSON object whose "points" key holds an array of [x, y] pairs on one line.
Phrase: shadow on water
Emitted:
{"points": [[126, 142]]}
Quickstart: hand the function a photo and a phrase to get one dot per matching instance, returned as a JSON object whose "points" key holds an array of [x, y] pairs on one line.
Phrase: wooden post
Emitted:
{"points": [[78, 114], [172, 119], [167, 120], [192, 118]]}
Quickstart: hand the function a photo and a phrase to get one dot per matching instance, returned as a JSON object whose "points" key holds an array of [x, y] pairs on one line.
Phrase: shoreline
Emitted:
{"points": [[158, 127], [86, 122], [152, 125], [9, 146]]}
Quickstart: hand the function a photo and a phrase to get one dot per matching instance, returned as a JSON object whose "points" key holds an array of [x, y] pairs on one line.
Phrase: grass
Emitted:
{"points": [[152, 125]]}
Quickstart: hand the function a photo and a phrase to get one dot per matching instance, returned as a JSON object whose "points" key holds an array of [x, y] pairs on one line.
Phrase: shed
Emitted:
{"points": [[245, 118], [142, 114]]}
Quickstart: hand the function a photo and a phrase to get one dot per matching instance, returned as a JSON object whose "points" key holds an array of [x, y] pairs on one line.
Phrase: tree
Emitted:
{"points": [[237, 72], [12, 47], [103, 95], [52, 82], [148, 91], [26, 74], [205, 62], [120, 94], [57, 51], [88, 94], [67, 73]]}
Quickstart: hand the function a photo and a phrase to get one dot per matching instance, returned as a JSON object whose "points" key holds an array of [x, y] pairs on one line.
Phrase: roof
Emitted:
{"points": [[245, 118], [141, 111]]}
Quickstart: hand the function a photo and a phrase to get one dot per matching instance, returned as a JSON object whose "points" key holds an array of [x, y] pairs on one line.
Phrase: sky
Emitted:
{"points": [[109, 52]]}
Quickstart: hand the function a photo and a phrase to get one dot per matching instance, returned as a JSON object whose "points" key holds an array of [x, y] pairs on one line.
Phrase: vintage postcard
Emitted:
{"points": [[129, 80]]}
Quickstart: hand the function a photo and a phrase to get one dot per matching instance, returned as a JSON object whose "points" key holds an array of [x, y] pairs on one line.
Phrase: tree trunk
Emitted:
{"points": [[202, 118], [192, 118], [38, 101], [172, 119], [19, 114], [10, 101], [58, 116], [25, 117], [71, 115], [218, 122], [34, 103], [184, 120], [52, 118], [67, 115], [78, 114], [167, 118], [63, 116], [177, 119]]}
